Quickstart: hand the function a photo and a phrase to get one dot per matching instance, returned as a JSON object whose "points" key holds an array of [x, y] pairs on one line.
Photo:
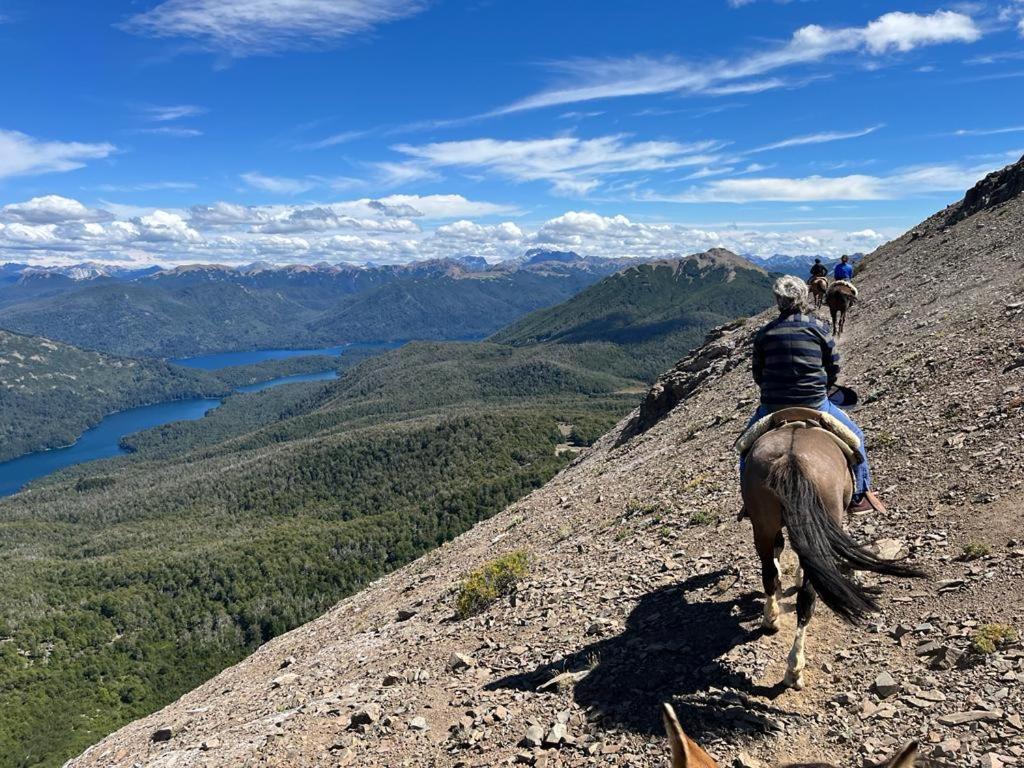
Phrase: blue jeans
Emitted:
{"points": [[862, 473]]}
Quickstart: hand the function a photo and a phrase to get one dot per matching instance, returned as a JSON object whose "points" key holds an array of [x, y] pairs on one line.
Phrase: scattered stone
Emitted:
{"points": [[286, 679], [368, 714], [458, 662], [556, 735], [973, 716], [418, 723], [163, 733], [886, 685], [534, 736]]}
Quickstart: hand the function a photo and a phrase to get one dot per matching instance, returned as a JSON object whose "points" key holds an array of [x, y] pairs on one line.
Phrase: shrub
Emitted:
{"points": [[975, 549], [486, 584], [990, 637], [700, 517]]}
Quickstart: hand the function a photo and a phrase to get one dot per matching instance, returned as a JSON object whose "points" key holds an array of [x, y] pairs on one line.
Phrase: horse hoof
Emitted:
{"points": [[794, 680], [770, 627]]}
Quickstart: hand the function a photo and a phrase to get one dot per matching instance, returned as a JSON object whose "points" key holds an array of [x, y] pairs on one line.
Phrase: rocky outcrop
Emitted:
{"points": [[724, 348], [996, 188]]}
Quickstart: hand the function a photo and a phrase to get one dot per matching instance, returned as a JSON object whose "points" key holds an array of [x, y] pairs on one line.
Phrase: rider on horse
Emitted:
{"points": [[844, 270], [818, 269], [795, 364]]}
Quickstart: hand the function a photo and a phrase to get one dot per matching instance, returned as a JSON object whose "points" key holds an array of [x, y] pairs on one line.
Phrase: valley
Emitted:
{"points": [[215, 534]]}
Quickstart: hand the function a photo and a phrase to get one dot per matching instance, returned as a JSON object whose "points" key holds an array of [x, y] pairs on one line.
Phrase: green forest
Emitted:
{"points": [[126, 582]]}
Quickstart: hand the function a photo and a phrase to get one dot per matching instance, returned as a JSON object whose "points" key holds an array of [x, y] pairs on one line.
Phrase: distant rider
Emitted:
{"points": [[818, 269], [844, 269], [795, 363]]}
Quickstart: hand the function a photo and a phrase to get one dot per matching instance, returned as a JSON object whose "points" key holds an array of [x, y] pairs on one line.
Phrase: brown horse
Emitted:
{"points": [[840, 297], [686, 753], [818, 286], [798, 478]]}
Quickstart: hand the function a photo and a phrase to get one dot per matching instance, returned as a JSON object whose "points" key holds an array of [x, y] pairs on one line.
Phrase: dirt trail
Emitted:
{"points": [[644, 587]]}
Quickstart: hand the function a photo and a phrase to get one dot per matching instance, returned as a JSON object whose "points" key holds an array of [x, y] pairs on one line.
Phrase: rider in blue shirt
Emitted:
{"points": [[844, 270]]}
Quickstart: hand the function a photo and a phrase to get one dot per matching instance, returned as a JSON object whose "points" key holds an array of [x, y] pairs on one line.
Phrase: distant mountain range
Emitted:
{"points": [[203, 308]]}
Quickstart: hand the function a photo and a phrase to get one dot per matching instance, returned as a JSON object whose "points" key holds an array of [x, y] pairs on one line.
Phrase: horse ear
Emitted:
{"points": [[685, 752], [906, 758]]}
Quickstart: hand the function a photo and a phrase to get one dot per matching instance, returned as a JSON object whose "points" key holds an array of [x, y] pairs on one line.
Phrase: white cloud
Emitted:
{"points": [[334, 140], [277, 184], [569, 164], [22, 155], [399, 174], [469, 231], [164, 226], [179, 132], [590, 79], [441, 206], [163, 114], [989, 131], [815, 138], [51, 209], [250, 27], [907, 182]]}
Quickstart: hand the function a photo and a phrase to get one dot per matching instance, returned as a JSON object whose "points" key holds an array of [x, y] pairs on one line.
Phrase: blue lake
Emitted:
{"points": [[225, 359], [104, 440]]}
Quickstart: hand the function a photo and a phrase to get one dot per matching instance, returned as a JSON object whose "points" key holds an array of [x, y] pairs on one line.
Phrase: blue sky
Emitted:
{"points": [[349, 130]]}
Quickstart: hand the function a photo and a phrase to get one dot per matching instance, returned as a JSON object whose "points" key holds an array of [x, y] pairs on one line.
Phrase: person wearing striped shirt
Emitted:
{"points": [[795, 362]]}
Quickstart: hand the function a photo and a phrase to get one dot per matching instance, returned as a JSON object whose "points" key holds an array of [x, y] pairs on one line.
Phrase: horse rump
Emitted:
{"points": [[822, 545]]}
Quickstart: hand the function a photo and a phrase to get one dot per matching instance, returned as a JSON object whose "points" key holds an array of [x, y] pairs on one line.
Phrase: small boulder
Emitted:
{"points": [[458, 662], [886, 685], [534, 736], [368, 714]]}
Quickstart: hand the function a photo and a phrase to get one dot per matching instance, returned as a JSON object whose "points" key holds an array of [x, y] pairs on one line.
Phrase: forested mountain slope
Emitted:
{"points": [[659, 310], [643, 586], [50, 391]]}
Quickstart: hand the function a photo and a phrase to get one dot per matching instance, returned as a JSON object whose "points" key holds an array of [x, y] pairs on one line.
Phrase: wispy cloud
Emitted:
{"points": [[334, 140], [904, 183], [23, 155], [253, 27], [817, 138], [591, 79], [170, 130], [989, 131], [571, 165], [165, 114], [147, 186], [280, 185]]}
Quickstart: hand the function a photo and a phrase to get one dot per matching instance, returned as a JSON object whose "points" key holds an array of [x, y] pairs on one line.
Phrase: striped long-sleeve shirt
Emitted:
{"points": [[795, 360]]}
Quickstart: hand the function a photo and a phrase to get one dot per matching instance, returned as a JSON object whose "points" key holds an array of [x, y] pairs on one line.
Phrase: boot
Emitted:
{"points": [[867, 503]]}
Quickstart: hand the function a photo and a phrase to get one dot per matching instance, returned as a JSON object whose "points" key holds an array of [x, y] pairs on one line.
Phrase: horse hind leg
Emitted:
{"points": [[797, 656], [769, 546]]}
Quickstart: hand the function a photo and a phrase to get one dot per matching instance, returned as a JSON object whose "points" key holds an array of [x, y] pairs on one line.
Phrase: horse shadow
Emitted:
{"points": [[671, 650]]}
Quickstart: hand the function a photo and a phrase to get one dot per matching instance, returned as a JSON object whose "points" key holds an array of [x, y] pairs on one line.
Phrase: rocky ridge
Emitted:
{"points": [[644, 588]]}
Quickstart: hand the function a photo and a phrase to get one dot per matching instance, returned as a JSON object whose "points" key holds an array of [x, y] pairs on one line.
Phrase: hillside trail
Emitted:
{"points": [[645, 588]]}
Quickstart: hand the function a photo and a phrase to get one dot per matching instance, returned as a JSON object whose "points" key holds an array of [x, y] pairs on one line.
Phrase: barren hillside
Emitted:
{"points": [[645, 587]]}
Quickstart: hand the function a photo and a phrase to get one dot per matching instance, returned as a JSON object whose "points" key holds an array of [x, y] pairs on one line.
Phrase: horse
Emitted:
{"points": [[797, 476], [840, 297], [818, 286], [686, 753]]}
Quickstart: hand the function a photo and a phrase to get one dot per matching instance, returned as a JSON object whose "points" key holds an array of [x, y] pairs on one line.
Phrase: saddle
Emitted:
{"points": [[803, 418], [843, 286]]}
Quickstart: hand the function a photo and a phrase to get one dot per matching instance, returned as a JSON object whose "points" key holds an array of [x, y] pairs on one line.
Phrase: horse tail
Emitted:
{"points": [[822, 545]]}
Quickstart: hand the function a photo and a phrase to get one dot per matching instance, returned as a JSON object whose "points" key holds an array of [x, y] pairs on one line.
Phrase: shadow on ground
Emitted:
{"points": [[670, 650]]}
